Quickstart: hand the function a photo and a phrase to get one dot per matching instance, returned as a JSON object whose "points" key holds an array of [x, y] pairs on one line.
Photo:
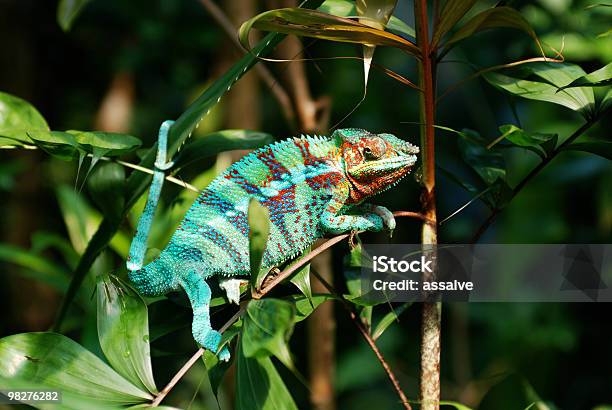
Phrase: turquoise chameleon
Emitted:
{"points": [[312, 186]]}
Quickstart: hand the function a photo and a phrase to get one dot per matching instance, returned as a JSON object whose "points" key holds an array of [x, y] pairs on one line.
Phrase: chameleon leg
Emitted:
{"points": [[138, 247], [384, 213], [199, 295], [332, 221]]}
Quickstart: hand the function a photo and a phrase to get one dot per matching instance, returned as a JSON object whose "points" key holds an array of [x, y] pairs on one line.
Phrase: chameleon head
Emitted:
{"points": [[374, 162]]}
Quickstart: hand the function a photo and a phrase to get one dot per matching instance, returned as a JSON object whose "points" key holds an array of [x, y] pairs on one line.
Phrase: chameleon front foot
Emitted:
{"points": [[210, 339]]}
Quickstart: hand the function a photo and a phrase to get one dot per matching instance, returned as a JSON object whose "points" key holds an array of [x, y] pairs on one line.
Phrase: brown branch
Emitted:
{"points": [[369, 340], [277, 91], [535, 171]]}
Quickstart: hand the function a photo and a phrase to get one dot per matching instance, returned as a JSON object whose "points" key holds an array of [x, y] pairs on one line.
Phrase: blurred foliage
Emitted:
{"points": [[64, 202]]}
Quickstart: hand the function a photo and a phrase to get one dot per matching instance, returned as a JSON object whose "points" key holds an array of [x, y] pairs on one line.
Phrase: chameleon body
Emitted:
{"points": [[312, 186]]}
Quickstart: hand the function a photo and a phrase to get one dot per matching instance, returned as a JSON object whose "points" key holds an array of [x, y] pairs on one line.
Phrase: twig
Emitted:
{"points": [[279, 93], [369, 340], [519, 187]]}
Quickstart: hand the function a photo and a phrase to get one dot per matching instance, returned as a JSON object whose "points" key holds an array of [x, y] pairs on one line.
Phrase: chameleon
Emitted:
{"points": [[312, 186]]}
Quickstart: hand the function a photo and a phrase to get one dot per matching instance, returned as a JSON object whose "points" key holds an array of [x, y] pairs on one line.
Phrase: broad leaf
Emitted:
{"points": [[54, 361], [346, 8], [259, 386], [110, 144], [123, 331], [17, 116], [553, 76], [452, 12], [60, 144], [540, 143], [68, 11], [316, 24], [598, 78], [212, 144], [259, 231], [267, 327], [601, 148], [497, 17]]}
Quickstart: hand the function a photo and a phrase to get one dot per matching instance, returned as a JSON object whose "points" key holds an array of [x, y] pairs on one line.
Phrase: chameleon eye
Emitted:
{"points": [[368, 153]]}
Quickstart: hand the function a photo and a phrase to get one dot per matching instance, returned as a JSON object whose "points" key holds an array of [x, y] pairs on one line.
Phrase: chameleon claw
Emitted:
{"points": [[224, 354], [164, 167]]}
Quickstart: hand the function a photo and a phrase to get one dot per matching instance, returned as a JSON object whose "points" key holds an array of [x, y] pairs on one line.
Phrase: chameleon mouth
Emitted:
{"points": [[385, 165]]}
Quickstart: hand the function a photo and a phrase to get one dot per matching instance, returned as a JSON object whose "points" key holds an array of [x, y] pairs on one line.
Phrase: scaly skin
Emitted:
{"points": [[312, 186]]}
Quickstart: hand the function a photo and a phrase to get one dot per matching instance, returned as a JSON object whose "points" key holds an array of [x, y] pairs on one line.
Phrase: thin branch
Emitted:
{"points": [[369, 340], [277, 91], [519, 187]]}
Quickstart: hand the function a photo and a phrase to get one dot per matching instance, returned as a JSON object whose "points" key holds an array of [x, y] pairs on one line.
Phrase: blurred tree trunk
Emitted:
{"points": [[115, 112]]}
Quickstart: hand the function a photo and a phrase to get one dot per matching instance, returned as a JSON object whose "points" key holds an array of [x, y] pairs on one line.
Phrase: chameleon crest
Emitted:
{"points": [[312, 186]]}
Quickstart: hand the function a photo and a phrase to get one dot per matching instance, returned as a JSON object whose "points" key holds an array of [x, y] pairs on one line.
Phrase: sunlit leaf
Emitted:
{"points": [[497, 17], [68, 11], [17, 116], [109, 144], [123, 331], [60, 144], [389, 319], [259, 386], [553, 76], [259, 231], [601, 148], [376, 14], [54, 361], [267, 326], [346, 8], [598, 78], [316, 24], [452, 12]]}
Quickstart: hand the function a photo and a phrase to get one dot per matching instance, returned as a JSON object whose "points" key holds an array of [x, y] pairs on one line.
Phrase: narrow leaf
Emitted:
{"points": [[301, 278], [259, 231], [57, 362], [68, 11], [452, 12], [123, 331], [316, 24], [497, 17], [388, 319], [35, 266], [107, 188], [601, 148]]}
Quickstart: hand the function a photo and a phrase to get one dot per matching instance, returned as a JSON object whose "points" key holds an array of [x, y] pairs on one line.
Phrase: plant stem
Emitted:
{"points": [[431, 326], [535, 171]]}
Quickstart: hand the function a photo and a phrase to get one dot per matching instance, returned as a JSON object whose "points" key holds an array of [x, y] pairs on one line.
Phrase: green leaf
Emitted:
{"points": [[259, 231], [598, 78], [57, 143], [216, 369], [54, 361], [452, 12], [266, 329], [316, 24], [541, 143], [304, 306], [606, 102], [346, 8], [212, 144], [107, 188], [123, 331], [80, 219], [68, 11], [16, 117], [259, 386], [488, 164], [601, 148], [301, 278], [110, 144], [388, 319], [497, 17], [555, 75], [35, 266]]}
